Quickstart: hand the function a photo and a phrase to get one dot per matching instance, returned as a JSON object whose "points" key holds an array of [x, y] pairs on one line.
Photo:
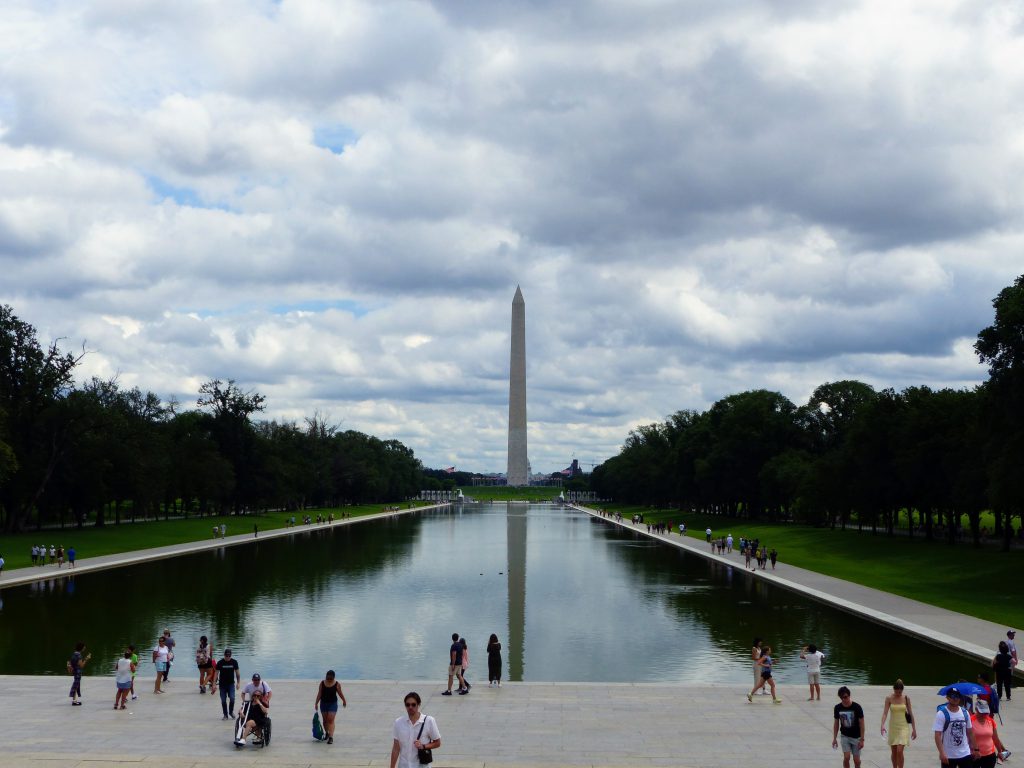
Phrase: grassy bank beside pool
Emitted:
{"points": [[111, 539], [982, 582]]}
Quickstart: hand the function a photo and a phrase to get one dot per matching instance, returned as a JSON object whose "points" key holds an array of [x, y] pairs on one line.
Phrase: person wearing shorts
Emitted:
{"points": [[848, 726], [813, 658], [327, 694], [123, 671]]}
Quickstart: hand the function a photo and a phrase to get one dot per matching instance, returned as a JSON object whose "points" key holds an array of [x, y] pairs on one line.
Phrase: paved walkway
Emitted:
{"points": [[965, 634], [521, 724], [103, 562]]}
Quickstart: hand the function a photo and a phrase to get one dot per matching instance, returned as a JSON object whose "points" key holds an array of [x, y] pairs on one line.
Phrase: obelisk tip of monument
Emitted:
{"points": [[519, 296]]}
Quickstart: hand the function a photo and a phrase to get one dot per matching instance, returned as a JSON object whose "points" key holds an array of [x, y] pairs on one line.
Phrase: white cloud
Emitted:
{"points": [[333, 203]]}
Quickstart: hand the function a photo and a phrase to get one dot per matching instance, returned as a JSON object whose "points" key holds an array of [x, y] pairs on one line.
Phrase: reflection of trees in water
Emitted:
{"points": [[219, 590], [740, 606]]}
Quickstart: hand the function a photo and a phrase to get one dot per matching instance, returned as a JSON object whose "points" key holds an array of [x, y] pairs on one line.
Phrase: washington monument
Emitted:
{"points": [[518, 471]]}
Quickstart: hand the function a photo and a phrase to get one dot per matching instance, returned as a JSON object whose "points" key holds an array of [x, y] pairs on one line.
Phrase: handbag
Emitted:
{"points": [[425, 755]]}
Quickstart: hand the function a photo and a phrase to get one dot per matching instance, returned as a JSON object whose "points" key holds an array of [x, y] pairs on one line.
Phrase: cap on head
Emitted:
{"points": [[1011, 632], [953, 693], [981, 706], [227, 651], [256, 676]]}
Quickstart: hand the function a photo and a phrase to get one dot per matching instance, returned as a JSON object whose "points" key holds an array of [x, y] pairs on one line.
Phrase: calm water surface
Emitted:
{"points": [[571, 599]]}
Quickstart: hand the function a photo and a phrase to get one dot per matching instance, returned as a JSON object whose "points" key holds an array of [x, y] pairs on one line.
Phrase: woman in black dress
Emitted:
{"points": [[494, 661], [1003, 665]]}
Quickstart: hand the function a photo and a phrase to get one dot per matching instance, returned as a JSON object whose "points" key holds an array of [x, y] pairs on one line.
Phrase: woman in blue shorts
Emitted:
{"points": [[765, 663], [327, 695]]}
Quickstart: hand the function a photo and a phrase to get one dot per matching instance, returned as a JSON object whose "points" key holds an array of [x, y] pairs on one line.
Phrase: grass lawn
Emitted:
{"points": [[979, 582], [126, 537], [504, 493]]}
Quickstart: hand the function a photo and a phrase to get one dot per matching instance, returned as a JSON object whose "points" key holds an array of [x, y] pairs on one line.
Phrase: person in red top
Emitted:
{"points": [[986, 736]]}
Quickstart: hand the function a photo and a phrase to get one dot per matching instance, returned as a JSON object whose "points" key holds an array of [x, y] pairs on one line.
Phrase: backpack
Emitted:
{"points": [[318, 730], [203, 654]]}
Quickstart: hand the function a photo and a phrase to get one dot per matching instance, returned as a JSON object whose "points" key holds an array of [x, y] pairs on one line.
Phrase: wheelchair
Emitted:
{"points": [[260, 734]]}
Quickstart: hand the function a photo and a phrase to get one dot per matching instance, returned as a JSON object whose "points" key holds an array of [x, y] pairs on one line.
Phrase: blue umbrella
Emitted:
{"points": [[966, 689]]}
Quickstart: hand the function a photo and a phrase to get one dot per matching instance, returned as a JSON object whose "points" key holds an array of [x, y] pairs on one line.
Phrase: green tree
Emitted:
{"points": [[1001, 347], [33, 382]]}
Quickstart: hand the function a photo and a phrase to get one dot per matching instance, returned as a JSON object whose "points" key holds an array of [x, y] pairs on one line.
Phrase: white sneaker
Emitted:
{"points": [[134, 697]]}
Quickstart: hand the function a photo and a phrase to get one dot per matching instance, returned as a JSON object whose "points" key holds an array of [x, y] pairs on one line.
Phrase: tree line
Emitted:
{"points": [[101, 452], [850, 454]]}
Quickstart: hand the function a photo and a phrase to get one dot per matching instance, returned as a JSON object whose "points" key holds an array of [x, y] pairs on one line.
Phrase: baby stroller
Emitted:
{"points": [[252, 711]]}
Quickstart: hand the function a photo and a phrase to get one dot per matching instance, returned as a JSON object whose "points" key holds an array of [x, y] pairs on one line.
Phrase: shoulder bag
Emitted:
{"points": [[425, 755]]}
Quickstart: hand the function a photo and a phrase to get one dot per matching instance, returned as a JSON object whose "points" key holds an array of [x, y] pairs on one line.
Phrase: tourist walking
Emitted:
{"points": [[123, 671], [773, 556], [1, 565], [75, 665], [954, 733], [230, 677], [204, 663], [60, 556], [135, 668], [848, 725], [764, 661], [986, 736], [1002, 663], [1011, 644], [902, 726], [493, 661], [454, 665], [813, 658], [327, 695], [413, 733], [35, 554], [160, 654], [465, 663], [169, 642], [71, 557], [755, 654]]}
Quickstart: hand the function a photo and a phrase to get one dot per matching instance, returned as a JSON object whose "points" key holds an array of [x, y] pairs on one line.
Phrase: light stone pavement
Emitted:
{"points": [[520, 724]]}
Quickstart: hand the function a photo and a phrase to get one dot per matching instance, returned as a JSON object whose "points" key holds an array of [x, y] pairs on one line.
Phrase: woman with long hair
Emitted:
{"points": [[1002, 663], [901, 715], [755, 654], [493, 661]]}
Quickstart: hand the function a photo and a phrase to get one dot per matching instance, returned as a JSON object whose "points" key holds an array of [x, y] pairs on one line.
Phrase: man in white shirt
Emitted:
{"points": [[954, 736], [411, 733], [813, 657], [1010, 634]]}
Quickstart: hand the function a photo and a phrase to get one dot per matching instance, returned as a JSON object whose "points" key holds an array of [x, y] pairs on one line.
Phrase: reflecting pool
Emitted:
{"points": [[571, 598]]}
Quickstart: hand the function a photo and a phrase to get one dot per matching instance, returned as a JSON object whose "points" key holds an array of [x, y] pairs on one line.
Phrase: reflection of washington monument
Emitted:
{"points": [[515, 542]]}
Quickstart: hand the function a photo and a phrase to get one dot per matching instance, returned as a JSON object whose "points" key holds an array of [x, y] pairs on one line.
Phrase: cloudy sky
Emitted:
{"points": [[333, 202]]}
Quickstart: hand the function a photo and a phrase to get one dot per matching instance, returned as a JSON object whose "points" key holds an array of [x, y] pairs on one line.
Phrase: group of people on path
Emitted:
{"points": [[56, 554]]}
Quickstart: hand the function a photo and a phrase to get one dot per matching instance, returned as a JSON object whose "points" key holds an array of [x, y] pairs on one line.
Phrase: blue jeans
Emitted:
{"points": [[227, 692]]}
